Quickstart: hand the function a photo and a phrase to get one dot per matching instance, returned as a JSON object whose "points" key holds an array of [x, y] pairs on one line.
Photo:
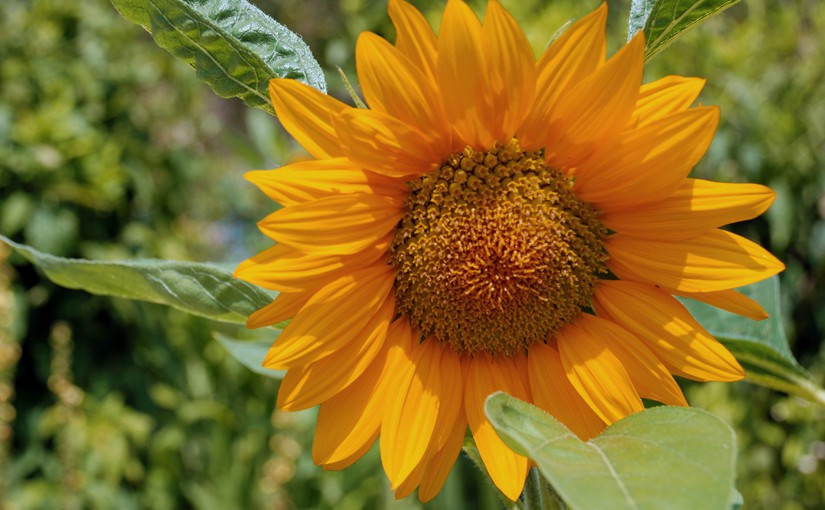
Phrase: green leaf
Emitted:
{"points": [[760, 346], [231, 44], [665, 457], [199, 289], [639, 12], [670, 19], [251, 353]]}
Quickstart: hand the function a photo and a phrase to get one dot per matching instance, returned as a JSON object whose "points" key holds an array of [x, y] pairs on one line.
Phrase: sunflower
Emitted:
{"points": [[494, 222]]}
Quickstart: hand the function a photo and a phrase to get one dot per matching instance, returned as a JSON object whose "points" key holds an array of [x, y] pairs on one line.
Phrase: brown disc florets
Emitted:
{"points": [[494, 251]]}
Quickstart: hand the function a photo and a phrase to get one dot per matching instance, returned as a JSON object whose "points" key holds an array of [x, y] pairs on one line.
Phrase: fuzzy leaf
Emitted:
{"points": [[665, 457], [639, 12], [232, 45], [670, 19], [760, 346], [199, 289], [251, 353]]}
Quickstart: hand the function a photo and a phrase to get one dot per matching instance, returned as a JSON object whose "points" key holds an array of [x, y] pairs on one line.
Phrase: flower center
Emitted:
{"points": [[494, 251]]}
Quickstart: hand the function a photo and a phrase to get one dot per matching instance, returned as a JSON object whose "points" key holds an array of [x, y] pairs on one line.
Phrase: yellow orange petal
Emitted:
{"points": [[306, 181], [306, 113], [438, 467], [714, 261], [284, 307], [461, 75], [487, 375], [351, 420], [648, 163], [591, 113], [665, 96], [448, 437], [286, 269], [414, 36], [410, 421], [411, 482], [571, 58], [405, 93], [597, 374], [666, 326], [332, 318], [553, 392], [385, 145], [309, 385], [696, 207], [335, 225], [451, 393], [346, 462], [511, 71], [347, 422], [647, 372], [731, 301]]}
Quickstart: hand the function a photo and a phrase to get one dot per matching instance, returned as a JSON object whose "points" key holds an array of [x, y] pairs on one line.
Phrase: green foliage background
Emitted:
{"points": [[110, 148]]}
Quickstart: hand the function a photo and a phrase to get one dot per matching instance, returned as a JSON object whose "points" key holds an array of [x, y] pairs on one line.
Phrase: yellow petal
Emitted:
{"points": [[648, 163], [306, 113], [461, 75], [511, 71], [351, 420], [571, 58], [696, 207], [284, 307], [306, 181], [439, 466], [335, 225], [451, 393], [410, 420], [448, 437], [346, 462], [553, 392], [597, 374], [647, 372], [714, 261], [332, 318], [593, 112], [307, 386], [411, 482], [654, 316], [414, 36], [385, 145], [665, 96], [393, 84], [731, 301], [286, 269], [487, 375]]}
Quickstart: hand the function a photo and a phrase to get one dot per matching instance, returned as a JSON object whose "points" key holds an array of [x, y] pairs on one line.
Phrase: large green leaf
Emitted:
{"points": [[760, 346], [670, 19], [200, 289], [251, 353], [233, 46], [665, 457]]}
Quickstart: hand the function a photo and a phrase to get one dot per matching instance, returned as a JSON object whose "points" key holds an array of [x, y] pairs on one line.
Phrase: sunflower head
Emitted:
{"points": [[494, 222], [494, 251]]}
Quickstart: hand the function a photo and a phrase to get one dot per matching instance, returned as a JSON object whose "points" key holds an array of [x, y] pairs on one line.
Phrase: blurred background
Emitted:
{"points": [[111, 149]]}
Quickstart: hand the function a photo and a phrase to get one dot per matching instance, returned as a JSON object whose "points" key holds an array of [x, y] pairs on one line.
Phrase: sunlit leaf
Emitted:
{"points": [[639, 12], [670, 19], [251, 353], [760, 346], [199, 289], [233, 46], [665, 457]]}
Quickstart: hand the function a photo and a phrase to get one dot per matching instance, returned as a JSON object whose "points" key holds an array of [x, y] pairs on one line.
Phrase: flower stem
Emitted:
{"points": [[539, 495]]}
